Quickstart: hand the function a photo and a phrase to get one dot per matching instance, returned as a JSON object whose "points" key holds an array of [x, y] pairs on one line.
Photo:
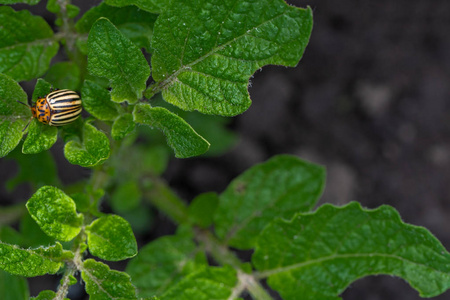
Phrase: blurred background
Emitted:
{"points": [[369, 101]]}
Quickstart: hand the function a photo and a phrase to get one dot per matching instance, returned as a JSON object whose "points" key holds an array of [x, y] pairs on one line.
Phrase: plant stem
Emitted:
{"points": [[63, 289], [218, 251], [224, 256], [67, 25], [254, 287], [72, 266], [151, 90], [166, 201], [161, 196], [69, 34], [99, 178]]}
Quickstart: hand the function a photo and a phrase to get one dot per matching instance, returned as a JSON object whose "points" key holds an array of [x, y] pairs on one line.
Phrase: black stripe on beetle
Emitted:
{"points": [[58, 108]]}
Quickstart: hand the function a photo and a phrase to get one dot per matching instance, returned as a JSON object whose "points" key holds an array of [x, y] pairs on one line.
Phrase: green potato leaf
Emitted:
{"points": [[181, 137], [102, 283], [72, 10], [93, 150], [34, 169], [55, 213], [202, 208], [210, 283], [141, 160], [31, 234], [26, 44], [111, 238], [13, 115], [13, 287], [40, 137], [317, 255], [214, 129], [64, 75], [97, 102], [82, 201], [279, 187], [126, 197], [46, 295], [136, 24], [122, 126], [9, 235], [205, 51], [30, 262], [41, 89], [164, 262], [153, 6], [52, 6], [111, 55]]}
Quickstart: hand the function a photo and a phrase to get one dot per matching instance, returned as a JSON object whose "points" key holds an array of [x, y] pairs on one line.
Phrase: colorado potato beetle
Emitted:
{"points": [[59, 107]]}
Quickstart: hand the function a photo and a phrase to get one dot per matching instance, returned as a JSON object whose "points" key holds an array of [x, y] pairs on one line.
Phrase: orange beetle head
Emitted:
{"points": [[41, 111], [33, 112]]}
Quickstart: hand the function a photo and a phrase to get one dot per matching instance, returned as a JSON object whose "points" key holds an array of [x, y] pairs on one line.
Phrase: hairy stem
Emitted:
{"points": [[166, 201], [217, 250], [70, 36], [63, 289], [222, 255], [72, 266], [160, 195], [67, 25], [253, 286]]}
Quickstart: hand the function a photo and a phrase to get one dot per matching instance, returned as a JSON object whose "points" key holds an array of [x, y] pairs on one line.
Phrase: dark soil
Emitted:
{"points": [[370, 100]]}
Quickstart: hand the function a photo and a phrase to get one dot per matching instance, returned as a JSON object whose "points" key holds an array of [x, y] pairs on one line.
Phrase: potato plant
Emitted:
{"points": [[142, 68]]}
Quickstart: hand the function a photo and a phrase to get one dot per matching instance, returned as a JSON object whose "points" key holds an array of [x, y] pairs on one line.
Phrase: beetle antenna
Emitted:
{"points": [[28, 124], [23, 103]]}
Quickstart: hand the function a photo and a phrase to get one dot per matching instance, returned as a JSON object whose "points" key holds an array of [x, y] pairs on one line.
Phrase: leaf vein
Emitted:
{"points": [[174, 75]]}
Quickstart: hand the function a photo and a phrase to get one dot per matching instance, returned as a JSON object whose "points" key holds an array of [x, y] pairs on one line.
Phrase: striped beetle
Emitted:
{"points": [[59, 107]]}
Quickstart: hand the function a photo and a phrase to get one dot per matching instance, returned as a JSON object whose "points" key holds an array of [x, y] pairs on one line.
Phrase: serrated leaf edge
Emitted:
{"points": [[166, 83], [395, 218]]}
